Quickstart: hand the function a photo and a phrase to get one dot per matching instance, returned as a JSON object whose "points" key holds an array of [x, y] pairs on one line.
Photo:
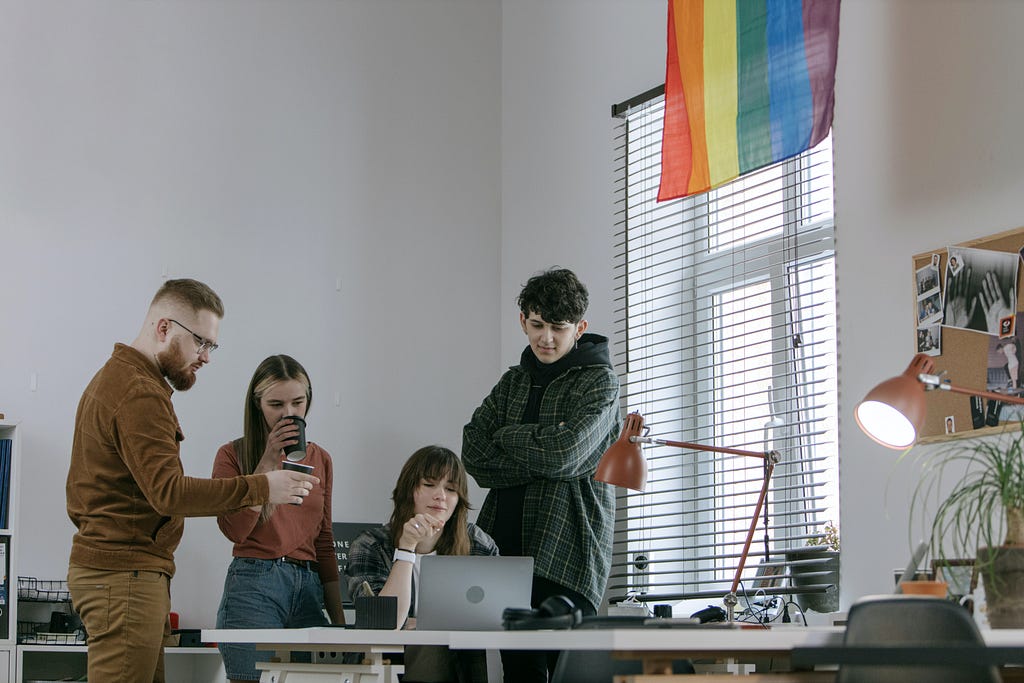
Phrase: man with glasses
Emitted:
{"points": [[126, 490]]}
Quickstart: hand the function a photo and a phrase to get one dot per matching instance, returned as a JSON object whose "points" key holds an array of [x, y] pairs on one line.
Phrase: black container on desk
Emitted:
{"points": [[379, 612]]}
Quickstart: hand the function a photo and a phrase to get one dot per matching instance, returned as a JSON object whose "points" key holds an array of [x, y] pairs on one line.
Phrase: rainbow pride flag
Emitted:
{"points": [[747, 83]]}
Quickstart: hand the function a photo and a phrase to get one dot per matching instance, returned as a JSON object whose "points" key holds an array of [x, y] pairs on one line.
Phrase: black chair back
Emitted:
{"points": [[912, 620]]}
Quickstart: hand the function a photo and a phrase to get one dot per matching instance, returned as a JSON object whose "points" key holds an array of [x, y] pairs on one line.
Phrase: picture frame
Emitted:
{"points": [[960, 574], [769, 576]]}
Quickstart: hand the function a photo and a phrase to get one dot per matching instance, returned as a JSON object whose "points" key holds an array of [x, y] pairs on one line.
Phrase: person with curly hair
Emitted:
{"points": [[535, 442]]}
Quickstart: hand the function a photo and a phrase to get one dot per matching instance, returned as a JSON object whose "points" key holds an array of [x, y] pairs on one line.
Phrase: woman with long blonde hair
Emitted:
{"points": [[284, 572]]}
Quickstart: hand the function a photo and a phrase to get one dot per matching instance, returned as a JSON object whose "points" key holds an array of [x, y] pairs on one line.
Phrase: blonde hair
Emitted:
{"points": [[274, 369]]}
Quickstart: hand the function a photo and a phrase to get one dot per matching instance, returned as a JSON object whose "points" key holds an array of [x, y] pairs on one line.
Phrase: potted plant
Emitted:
{"points": [[982, 515], [817, 564]]}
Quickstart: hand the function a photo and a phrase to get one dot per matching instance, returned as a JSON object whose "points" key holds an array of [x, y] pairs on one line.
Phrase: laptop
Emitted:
{"points": [[913, 564], [470, 592]]}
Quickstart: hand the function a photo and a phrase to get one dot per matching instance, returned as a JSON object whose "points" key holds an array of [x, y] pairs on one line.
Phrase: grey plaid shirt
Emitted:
{"points": [[568, 517]]}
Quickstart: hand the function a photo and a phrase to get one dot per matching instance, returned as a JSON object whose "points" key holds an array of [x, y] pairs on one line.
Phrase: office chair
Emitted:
{"points": [[912, 620], [599, 666]]}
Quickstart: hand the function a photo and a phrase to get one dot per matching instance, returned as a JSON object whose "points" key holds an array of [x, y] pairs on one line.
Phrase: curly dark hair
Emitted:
{"points": [[556, 294]]}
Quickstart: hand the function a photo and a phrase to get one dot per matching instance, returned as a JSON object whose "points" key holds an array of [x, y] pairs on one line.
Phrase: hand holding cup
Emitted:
{"points": [[289, 486], [283, 436]]}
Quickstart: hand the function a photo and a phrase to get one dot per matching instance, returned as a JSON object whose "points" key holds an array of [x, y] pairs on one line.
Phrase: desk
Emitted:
{"points": [[651, 645], [327, 645]]}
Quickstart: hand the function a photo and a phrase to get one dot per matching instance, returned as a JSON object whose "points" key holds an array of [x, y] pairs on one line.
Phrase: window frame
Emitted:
{"points": [[803, 240]]}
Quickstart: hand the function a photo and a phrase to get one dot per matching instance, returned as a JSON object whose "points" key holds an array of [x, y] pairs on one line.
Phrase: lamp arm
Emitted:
{"points": [[931, 382], [771, 458], [753, 525], [770, 455]]}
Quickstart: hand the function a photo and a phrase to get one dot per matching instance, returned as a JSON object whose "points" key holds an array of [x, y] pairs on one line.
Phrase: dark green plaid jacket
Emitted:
{"points": [[568, 517]]}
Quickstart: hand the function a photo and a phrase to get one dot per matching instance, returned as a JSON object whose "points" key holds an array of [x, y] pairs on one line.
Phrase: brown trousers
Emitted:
{"points": [[125, 614]]}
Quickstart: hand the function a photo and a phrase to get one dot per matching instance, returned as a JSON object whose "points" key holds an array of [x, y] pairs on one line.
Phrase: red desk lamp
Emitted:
{"points": [[623, 464], [893, 412]]}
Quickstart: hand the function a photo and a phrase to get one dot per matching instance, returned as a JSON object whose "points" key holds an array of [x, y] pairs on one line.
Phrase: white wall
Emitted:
{"points": [[927, 152], [564, 64], [432, 154], [269, 149]]}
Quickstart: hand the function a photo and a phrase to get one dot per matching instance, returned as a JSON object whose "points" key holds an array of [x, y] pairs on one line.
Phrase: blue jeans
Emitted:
{"points": [[265, 594]]}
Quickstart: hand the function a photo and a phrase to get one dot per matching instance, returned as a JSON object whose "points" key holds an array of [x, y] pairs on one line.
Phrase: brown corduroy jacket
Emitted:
{"points": [[127, 493]]}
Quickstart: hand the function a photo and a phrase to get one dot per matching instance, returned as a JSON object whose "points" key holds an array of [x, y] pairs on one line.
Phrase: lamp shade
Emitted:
{"points": [[623, 464], [893, 412]]}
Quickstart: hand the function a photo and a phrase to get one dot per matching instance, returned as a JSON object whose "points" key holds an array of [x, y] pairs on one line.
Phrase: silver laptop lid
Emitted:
{"points": [[913, 564], [470, 592]]}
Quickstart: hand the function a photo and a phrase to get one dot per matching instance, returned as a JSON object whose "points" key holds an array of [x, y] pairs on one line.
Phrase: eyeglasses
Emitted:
{"points": [[203, 343]]}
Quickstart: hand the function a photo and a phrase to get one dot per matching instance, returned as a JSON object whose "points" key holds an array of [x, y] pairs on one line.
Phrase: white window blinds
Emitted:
{"points": [[725, 335]]}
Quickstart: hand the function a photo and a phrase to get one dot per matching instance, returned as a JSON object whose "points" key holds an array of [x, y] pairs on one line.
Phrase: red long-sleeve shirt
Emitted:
{"points": [[302, 532]]}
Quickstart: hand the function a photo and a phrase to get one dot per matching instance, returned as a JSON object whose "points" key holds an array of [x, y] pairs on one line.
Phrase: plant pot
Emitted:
{"points": [[815, 566], [1002, 570]]}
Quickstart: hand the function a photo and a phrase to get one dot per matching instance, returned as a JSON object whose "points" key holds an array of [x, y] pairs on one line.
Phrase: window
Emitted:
{"points": [[725, 335]]}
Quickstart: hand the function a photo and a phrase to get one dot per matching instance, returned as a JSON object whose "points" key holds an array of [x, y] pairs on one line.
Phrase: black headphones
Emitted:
{"points": [[557, 611]]}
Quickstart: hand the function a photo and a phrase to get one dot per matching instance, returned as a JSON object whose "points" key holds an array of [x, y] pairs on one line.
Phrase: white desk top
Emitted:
{"points": [[776, 639], [325, 636], [650, 639], [653, 639]]}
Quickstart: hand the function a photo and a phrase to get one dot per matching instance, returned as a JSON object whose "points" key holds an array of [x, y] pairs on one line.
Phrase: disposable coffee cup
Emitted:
{"points": [[297, 451], [296, 467]]}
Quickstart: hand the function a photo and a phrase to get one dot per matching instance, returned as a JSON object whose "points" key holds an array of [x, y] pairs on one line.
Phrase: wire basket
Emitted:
{"points": [[38, 633], [38, 590]]}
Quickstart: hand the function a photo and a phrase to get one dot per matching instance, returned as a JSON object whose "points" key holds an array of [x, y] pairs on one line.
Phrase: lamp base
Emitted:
{"points": [[730, 600]]}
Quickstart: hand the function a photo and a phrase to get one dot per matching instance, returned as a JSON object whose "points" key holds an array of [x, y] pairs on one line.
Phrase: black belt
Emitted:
{"points": [[307, 564]]}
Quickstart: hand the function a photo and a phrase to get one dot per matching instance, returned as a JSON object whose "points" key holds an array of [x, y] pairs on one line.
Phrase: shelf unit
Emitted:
{"points": [[45, 654], [68, 662], [9, 539], [52, 659]]}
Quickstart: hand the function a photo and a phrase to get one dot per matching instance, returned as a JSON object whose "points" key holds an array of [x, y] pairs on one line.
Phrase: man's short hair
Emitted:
{"points": [[556, 294], [191, 293]]}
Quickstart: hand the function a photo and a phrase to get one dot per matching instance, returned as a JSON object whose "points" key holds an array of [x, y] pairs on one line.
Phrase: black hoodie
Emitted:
{"points": [[591, 349]]}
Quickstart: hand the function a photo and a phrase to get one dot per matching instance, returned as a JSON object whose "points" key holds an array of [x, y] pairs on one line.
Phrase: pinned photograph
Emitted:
{"points": [[929, 309], [936, 256], [927, 280], [950, 425], [929, 340], [1004, 372], [1006, 326], [981, 289], [929, 296]]}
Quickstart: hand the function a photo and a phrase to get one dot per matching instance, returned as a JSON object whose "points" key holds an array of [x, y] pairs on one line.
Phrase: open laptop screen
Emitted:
{"points": [[470, 592]]}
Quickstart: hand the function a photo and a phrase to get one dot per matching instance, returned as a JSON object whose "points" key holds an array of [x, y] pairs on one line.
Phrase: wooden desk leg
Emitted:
{"points": [[657, 666], [375, 668]]}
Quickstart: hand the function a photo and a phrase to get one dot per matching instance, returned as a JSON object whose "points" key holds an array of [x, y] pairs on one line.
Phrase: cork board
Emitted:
{"points": [[968, 325]]}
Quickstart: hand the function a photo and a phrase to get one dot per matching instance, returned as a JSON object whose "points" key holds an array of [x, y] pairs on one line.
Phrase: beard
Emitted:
{"points": [[175, 366]]}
